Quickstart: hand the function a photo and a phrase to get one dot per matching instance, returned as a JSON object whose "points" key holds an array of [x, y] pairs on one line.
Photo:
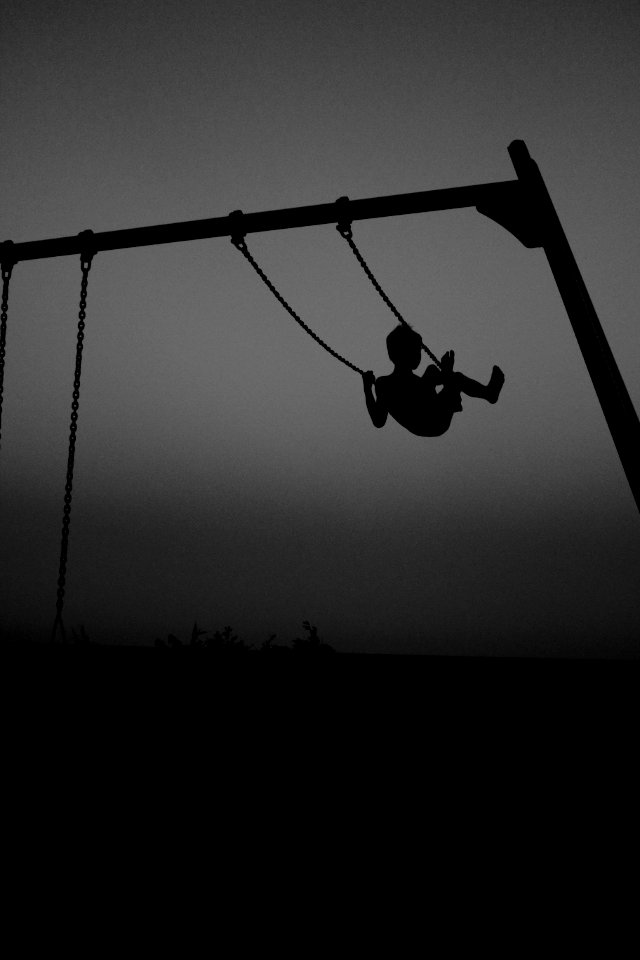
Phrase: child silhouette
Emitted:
{"points": [[413, 401]]}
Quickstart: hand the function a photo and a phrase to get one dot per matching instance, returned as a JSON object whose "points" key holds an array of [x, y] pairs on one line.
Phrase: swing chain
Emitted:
{"points": [[86, 256], [344, 229], [7, 257], [239, 242]]}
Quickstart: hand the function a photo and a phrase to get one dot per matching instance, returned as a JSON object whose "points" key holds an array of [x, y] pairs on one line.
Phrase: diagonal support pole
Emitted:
{"points": [[610, 388]]}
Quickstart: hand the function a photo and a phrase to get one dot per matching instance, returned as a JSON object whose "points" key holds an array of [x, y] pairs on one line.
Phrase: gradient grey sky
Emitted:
{"points": [[226, 468]]}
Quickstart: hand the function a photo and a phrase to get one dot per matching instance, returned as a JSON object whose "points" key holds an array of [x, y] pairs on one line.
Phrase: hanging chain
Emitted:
{"points": [[344, 229], [7, 267], [239, 242], [85, 265]]}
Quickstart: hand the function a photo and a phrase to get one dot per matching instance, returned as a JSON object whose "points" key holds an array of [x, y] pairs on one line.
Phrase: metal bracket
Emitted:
{"points": [[511, 207]]}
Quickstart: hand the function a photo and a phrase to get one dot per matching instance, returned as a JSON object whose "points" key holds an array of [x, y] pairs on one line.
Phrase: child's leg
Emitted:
{"points": [[472, 388], [449, 397]]}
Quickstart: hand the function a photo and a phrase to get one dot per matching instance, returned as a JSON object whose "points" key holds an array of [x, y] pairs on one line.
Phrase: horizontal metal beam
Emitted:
{"points": [[290, 218]]}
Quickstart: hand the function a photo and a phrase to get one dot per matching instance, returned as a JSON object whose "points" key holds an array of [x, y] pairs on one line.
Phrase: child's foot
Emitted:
{"points": [[495, 385]]}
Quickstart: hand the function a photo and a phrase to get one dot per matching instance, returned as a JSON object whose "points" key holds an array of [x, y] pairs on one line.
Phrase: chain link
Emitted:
{"points": [[85, 264], [7, 267], [344, 229], [240, 244]]}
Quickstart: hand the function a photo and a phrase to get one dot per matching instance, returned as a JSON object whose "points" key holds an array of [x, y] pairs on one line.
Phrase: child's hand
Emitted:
{"points": [[369, 378], [447, 361]]}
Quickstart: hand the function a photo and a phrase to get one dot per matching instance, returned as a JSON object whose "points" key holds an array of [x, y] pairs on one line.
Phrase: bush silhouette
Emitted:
{"points": [[226, 642], [277, 649], [311, 644]]}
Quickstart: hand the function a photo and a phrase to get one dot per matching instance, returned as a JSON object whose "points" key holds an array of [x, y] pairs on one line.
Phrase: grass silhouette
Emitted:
{"points": [[222, 642], [227, 643]]}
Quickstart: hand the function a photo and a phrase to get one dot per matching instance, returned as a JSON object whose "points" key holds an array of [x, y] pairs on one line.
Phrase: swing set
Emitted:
{"points": [[522, 206]]}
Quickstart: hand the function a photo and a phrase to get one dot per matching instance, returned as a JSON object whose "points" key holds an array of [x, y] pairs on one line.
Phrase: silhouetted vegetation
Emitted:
{"points": [[223, 641], [311, 643], [227, 643]]}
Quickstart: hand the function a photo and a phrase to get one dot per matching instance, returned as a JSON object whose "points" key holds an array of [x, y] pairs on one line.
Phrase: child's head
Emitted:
{"points": [[404, 347]]}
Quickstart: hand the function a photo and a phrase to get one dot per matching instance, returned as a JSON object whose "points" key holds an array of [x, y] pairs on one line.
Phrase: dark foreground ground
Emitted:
{"points": [[314, 676], [184, 658], [314, 731]]}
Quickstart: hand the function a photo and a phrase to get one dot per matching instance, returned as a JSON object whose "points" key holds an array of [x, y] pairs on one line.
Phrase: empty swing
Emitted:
{"points": [[86, 257], [7, 269], [424, 405]]}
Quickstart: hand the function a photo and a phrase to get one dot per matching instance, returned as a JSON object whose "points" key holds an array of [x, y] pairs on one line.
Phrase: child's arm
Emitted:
{"points": [[377, 410]]}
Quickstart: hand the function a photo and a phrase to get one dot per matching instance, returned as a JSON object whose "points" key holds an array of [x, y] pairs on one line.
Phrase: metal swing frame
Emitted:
{"points": [[522, 206]]}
